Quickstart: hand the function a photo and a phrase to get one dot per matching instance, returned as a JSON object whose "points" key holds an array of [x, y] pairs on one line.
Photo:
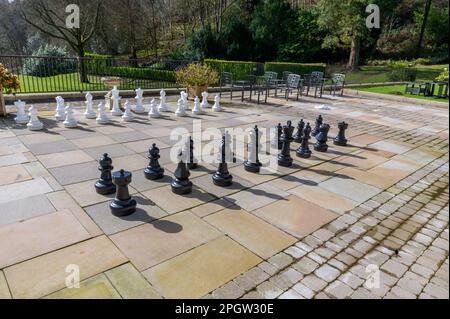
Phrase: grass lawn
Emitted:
{"points": [[398, 90]]}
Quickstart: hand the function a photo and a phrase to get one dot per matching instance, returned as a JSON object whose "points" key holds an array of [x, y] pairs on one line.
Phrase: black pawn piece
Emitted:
{"points": [[319, 122], [192, 164], [298, 137], [276, 142], [123, 204], [182, 185], [223, 177], [253, 165], [322, 138], [304, 151], [284, 158], [104, 185], [290, 131], [340, 139], [154, 171]]}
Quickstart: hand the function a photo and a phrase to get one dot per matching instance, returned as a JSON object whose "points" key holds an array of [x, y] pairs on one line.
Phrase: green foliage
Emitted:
{"points": [[49, 67], [443, 76], [197, 74], [403, 74], [134, 73], [298, 68], [97, 56], [239, 69]]}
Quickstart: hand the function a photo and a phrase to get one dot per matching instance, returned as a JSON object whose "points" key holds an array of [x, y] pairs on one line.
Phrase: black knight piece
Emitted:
{"points": [[319, 122], [182, 185], [284, 158], [223, 177], [123, 204], [298, 137], [154, 171], [304, 151], [322, 138], [253, 165], [340, 139], [105, 186], [192, 163], [276, 142]]}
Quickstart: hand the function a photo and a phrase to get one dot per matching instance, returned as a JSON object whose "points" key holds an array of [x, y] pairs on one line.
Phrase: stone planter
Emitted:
{"points": [[194, 91], [2, 103]]}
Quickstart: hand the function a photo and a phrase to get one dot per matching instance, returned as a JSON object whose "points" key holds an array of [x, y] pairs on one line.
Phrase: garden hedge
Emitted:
{"points": [[239, 69], [134, 73], [297, 68]]}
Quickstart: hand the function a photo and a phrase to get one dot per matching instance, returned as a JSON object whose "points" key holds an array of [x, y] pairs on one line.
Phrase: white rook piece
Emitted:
{"points": [[70, 121], [116, 102], [153, 110], [162, 105], [60, 109], [34, 124], [89, 114], [205, 104], [22, 117], [180, 112], [216, 106], [197, 109], [128, 115], [102, 116], [139, 101]]}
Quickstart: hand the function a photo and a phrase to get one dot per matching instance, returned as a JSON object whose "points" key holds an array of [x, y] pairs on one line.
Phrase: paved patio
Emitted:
{"points": [[375, 209]]}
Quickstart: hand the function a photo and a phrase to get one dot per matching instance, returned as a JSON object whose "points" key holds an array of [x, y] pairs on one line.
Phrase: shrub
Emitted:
{"points": [[8, 80], [443, 76], [41, 65], [298, 68], [239, 69], [197, 74], [137, 73], [403, 74]]}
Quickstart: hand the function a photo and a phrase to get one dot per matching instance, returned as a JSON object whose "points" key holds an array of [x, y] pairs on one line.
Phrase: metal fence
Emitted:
{"points": [[61, 74]]}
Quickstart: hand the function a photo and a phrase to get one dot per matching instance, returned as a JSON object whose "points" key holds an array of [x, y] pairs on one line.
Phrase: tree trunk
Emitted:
{"points": [[423, 27], [353, 61], [82, 66], [2, 104]]}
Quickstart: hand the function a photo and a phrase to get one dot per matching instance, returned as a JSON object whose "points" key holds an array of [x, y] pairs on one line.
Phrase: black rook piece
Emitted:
{"points": [[340, 139], [182, 185], [154, 171], [123, 204], [192, 164], [222, 177], [253, 165], [284, 158], [304, 151], [298, 137], [276, 143], [319, 122], [104, 185], [322, 138]]}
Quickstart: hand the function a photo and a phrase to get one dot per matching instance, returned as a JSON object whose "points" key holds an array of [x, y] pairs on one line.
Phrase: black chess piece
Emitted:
{"points": [[223, 177], [290, 131], [284, 158], [319, 122], [276, 142], [253, 165], [123, 204], [298, 137], [105, 186], [304, 151], [182, 185], [192, 163], [154, 171], [322, 138], [340, 139]]}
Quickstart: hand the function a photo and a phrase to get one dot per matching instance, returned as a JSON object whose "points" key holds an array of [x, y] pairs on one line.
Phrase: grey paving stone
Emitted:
{"points": [[23, 209], [53, 147], [115, 150], [77, 173]]}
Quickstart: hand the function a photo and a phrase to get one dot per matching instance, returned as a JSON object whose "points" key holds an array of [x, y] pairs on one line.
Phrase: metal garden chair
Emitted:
{"points": [[316, 81], [337, 83]]}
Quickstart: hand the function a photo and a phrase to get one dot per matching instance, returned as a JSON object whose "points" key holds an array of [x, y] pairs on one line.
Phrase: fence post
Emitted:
{"points": [[2, 103]]}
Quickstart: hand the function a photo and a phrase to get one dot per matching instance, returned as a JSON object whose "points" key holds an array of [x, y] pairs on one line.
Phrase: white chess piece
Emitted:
{"points": [[217, 107], [70, 121], [102, 117], [34, 124], [154, 113], [139, 108], [116, 111], [22, 117], [162, 105], [205, 104], [90, 113], [184, 98], [197, 109], [180, 112], [128, 115], [60, 109]]}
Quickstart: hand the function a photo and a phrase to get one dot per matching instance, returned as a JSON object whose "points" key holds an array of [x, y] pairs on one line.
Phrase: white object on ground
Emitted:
{"points": [[102, 117], [197, 109], [21, 117], [128, 115], [153, 110], [205, 104], [70, 121], [60, 109], [34, 124], [217, 107], [162, 105], [139, 108], [89, 114], [180, 112], [323, 107]]}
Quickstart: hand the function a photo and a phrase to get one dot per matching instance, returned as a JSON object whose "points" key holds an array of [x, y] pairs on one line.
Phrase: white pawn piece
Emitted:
{"points": [[102, 117], [70, 121], [128, 115], [60, 109], [180, 112], [22, 117], [139, 108], [162, 105], [34, 124], [197, 109], [205, 104], [116, 111], [89, 114], [216, 107], [154, 113]]}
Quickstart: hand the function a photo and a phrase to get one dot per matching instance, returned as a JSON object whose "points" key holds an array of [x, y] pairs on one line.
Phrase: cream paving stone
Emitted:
{"points": [[146, 212], [46, 274], [6, 134], [206, 183], [38, 236], [114, 151], [158, 241], [130, 283], [296, 216], [113, 129], [98, 287], [36, 170], [422, 156], [368, 177], [23, 190], [251, 232], [264, 176], [364, 140], [13, 159], [52, 147], [64, 159], [13, 174], [363, 160], [201, 270], [23, 209], [352, 189], [94, 141], [4, 290], [66, 175], [391, 146], [141, 184], [39, 138], [130, 163], [201, 170], [157, 132], [144, 145], [324, 198], [172, 203], [212, 207]]}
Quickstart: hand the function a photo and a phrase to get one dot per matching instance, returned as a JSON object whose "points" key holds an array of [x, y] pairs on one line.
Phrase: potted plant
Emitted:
{"points": [[197, 77], [8, 83]]}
